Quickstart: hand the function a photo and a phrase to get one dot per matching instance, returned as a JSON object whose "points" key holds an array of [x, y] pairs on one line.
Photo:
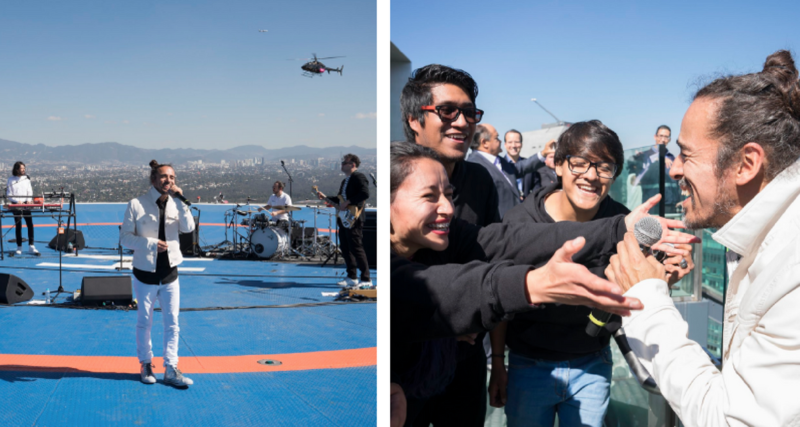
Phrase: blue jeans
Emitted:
{"points": [[578, 390]]}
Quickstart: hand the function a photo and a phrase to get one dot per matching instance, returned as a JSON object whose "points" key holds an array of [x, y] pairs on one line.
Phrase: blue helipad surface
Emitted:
{"points": [[293, 317]]}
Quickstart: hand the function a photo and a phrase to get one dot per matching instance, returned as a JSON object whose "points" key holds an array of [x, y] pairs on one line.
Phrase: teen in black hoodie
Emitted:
{"points": [[555, 366]]}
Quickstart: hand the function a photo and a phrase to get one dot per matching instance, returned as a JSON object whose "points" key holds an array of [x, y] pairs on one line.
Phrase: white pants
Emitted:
{"points": [[169, 298]]}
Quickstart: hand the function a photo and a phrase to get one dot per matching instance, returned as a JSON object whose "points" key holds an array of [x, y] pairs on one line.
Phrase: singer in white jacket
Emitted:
{"points": [[740, 166], [19, 190], [150, 228]]}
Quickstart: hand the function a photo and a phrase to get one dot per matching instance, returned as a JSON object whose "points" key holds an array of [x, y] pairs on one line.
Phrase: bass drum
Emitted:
{"points": [[267, 242]]}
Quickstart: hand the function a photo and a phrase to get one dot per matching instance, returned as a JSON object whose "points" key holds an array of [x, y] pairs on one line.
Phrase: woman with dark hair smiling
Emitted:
{"points": [[452, 279], [554, 365]]}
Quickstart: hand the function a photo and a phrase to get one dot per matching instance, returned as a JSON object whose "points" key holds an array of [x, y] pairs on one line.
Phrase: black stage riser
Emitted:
{"points": [[95, 290], [190, 241], [370, 240], [14, 290]]}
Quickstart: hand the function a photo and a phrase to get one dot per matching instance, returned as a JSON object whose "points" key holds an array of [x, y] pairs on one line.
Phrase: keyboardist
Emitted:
{"points": [[19, 190]]}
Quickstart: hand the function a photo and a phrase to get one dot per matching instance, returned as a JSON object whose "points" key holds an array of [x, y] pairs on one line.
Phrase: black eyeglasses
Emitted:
{"points": [[450, 113], [580, 165]]}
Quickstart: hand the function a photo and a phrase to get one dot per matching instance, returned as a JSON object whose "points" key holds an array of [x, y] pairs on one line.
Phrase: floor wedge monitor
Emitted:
{"points": [[14, 290]]}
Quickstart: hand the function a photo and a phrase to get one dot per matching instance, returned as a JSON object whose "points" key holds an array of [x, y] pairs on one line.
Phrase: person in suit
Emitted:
{"points": [[513, 145], [486, 149], [547, 173], [355, 191]]}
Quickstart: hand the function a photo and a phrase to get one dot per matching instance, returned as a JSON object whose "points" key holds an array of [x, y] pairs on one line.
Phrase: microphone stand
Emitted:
{"points": [[290, 179]]}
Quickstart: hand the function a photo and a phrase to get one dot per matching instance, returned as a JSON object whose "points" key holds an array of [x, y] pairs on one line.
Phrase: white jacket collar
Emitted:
{"points": [[747, 229], [153, 194]]}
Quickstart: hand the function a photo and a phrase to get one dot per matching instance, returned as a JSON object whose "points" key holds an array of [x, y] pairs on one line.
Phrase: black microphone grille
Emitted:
{"points": [[647, 231]]}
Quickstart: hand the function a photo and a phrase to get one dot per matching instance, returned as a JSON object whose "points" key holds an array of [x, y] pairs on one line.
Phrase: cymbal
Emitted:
{"points": [[286, 208]]}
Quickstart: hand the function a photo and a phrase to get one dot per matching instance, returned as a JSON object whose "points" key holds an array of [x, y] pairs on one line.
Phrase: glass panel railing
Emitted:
{"points": [[639, 181]]}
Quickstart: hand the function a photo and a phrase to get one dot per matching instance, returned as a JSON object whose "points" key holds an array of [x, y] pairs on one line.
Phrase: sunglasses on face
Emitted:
{"points": [[450, 113]]}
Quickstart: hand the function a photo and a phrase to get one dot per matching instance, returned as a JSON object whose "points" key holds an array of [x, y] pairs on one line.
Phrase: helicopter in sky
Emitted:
{"points": [[314, 67]]}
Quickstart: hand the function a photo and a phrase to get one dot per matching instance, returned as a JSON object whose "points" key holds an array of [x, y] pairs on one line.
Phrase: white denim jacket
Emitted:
{"points": [[140, 229], [761, 338]]}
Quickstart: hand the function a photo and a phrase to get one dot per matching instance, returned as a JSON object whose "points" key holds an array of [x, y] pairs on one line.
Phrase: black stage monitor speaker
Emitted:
{"points": [[370, 239], [70, 236], [190, 242], [96, 290], [14, 290]]}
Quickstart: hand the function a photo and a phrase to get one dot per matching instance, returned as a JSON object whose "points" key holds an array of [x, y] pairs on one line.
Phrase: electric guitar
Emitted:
{"points": [[348, 216]]}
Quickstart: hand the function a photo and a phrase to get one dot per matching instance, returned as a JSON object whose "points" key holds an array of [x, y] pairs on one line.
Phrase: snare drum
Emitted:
{"points": [[268, 242]]}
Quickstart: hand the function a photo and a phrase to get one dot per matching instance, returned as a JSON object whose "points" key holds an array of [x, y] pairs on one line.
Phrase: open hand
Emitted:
{"points": [[563, 281]]}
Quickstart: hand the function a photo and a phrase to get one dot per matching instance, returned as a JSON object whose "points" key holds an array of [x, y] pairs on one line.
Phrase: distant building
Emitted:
{"points": [[400, 69], [534, 141]]}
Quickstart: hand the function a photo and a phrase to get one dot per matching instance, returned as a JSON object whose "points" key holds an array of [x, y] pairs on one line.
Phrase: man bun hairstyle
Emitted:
{"points": [[154, 167], [593, 140], [417, 92], [761, 107], [403, 155]]}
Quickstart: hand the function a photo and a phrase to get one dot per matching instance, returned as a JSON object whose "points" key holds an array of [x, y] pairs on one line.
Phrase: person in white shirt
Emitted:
{"points": [[150, 228], [739, 164], [20, 191], [278, 198]]}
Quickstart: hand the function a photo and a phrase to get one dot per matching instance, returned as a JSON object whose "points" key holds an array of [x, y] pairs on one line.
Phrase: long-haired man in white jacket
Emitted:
{"points": [[150, 228], [740, 166]]}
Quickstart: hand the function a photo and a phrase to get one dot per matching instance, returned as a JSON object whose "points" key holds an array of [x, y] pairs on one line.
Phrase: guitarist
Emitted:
{"points": [[355, 192]]}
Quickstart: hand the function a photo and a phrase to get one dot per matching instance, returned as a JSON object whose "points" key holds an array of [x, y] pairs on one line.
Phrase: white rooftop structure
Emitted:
{"points": [[534, 141], [400, 72]]}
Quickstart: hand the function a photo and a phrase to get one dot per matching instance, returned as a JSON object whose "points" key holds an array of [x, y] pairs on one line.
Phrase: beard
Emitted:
{"points": [[723, 208]]}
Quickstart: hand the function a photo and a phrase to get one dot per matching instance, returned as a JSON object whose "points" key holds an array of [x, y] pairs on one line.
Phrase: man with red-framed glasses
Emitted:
{"points": [[439, 112]]}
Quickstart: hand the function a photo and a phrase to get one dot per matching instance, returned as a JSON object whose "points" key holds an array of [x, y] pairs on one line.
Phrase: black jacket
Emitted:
{"points": [[557, 332], [480, 277], [475, 197], [357, 191]]}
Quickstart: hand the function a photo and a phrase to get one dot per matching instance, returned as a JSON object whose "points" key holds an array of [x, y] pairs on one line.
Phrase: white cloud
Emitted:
{"points": [[55, 118], [365, 115], [321, 114], [90, 116], [125, 121], [169, 114]]}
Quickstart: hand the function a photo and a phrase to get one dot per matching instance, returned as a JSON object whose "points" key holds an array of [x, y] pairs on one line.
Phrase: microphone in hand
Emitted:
{"points": [[648, 232]]}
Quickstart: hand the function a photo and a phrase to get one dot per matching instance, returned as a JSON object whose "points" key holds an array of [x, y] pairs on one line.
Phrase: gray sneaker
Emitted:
{"points": [[147, 374], [174, 377]]}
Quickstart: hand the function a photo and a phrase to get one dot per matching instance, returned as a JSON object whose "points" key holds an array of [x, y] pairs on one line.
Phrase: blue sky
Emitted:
{"points": [[633, 65], [180, 74]]}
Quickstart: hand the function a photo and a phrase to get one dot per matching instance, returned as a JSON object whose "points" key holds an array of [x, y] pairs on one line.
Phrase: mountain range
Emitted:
{"points": [[112, 152]]}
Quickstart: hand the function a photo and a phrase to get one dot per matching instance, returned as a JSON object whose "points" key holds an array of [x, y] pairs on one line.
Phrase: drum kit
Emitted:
{"points": [[255, 233]]}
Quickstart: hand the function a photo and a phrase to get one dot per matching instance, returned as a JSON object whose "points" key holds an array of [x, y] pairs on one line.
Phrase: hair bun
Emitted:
{"points": [[781, 67], [153, 164]]}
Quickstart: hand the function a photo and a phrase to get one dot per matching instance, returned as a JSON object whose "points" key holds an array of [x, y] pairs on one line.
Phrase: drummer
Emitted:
{"points": [[276, 205]]}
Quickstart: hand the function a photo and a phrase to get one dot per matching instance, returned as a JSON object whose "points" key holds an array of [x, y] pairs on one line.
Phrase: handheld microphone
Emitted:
{"points": [[183, 199], [374, 182], [647, 231], [282, 163]]}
